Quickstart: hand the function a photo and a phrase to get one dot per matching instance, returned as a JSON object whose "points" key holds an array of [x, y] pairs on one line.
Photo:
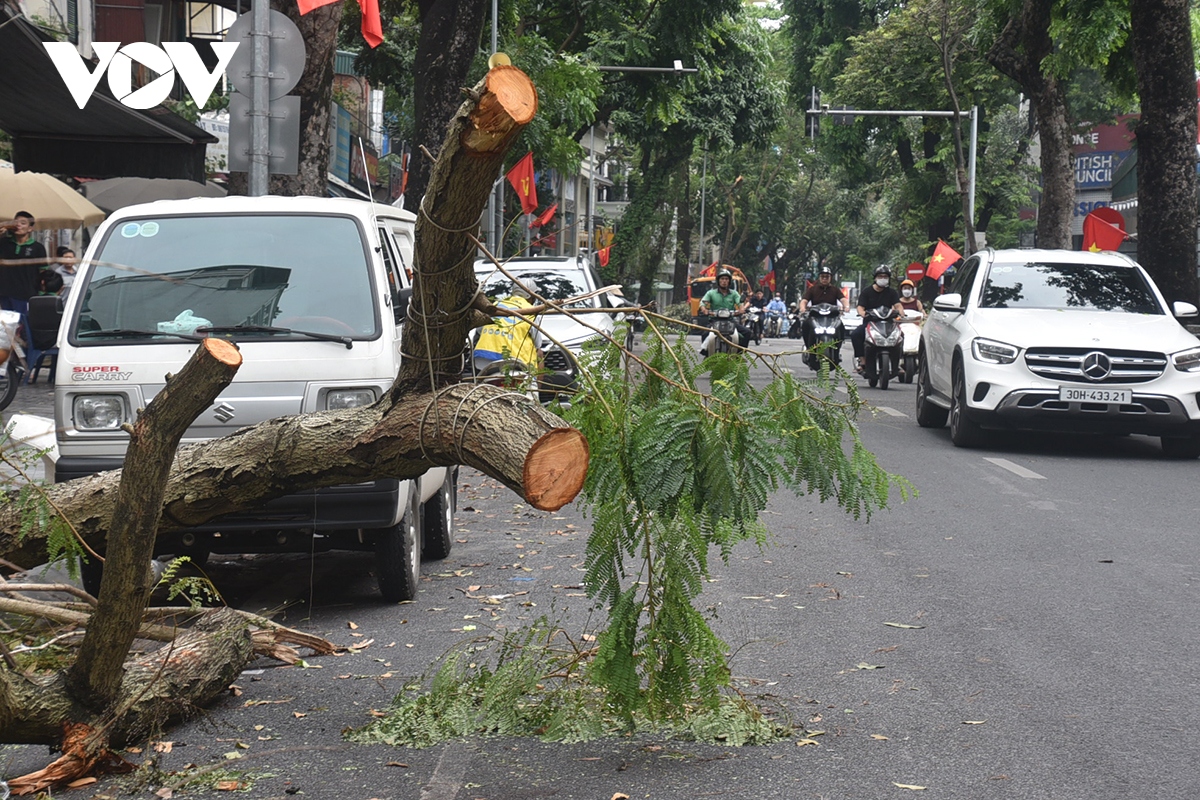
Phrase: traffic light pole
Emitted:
{"points": [[973, 114]]}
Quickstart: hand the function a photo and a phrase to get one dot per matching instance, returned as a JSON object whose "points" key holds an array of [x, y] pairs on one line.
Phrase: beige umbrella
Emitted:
{"points": [[52, 203]]}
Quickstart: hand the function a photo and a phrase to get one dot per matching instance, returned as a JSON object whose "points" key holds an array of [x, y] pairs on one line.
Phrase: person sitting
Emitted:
{"points": [[728, 298], [908, 297], [823, 291], [878, 294]]}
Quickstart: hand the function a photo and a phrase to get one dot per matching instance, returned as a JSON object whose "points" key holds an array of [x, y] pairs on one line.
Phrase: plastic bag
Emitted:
{"points": [[9, 322], [186, 322]]}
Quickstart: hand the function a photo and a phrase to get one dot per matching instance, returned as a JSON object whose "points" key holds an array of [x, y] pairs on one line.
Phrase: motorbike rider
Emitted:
{"points": [[908, 297], [724, 297], [777, 306], [878, 294], [823, 291], [759, 302]]}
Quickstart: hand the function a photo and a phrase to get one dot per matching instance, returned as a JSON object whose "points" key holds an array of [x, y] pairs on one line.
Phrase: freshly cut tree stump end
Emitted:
{"points": [[508, 104], [224, 351], [514, 92], [555, 469]]}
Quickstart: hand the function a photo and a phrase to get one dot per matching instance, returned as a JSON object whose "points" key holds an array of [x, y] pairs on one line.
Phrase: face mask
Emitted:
{"points": [[907, 292], [882, 281]]}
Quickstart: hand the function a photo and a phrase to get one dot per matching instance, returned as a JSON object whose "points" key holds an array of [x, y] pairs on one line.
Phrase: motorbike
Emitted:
{"points": [[910, 327], [774, 324], [794, 328], [828, 333], [883, 342], [753, 316], [725, 331]]}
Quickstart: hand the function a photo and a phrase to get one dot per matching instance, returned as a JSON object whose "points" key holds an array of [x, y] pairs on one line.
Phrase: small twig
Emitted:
{"points": [[8, 587], [46, 644]]}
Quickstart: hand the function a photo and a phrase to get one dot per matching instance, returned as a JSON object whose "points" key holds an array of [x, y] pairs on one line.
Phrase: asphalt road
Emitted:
{"points": [[1050, 583]]}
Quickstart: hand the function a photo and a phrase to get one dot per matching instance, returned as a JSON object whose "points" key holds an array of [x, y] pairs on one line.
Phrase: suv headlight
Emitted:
{"points": [[98, 412], [994, 352], [1187, 360], [336, 399]]}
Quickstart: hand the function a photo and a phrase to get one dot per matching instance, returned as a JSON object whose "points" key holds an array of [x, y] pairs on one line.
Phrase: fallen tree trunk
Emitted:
{"points": [[424, 421]]}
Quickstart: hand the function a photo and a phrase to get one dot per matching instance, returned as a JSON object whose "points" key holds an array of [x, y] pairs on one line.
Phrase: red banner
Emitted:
{"points": [[521, 178]]}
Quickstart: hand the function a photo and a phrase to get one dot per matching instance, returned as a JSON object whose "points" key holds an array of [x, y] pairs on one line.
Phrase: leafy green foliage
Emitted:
{"points": [[194, 589], [534, 682], [677, 473]]}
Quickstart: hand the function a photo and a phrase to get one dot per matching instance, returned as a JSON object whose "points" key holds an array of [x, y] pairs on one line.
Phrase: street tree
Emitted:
{"points": [[1166, 136]]}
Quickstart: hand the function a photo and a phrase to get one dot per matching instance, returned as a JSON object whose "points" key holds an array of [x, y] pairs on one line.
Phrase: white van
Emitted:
{"points": [[313, 291]]}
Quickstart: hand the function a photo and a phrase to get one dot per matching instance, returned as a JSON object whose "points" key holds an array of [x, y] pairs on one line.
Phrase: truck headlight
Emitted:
{"points": [[336, 399], [98, 412], [994, 352], [1187, 360]]}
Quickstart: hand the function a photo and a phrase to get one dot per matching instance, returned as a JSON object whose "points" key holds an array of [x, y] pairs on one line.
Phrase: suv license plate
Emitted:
{"points": [[1088, 395]]}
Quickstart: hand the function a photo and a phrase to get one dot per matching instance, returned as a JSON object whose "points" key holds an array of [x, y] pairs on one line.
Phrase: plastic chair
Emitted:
{"points": [[41, 337]]}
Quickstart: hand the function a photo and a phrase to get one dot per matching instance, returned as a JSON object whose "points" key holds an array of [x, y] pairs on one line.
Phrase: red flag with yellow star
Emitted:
{"points": [[521, 178], [943, 256], [1103, 229]]}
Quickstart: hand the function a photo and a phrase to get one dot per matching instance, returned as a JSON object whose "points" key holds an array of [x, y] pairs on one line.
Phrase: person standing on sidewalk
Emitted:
{"points": [[21, 260]]}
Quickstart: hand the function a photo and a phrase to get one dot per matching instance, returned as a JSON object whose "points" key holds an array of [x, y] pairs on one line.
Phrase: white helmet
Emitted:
{"points": [[524, 287]]}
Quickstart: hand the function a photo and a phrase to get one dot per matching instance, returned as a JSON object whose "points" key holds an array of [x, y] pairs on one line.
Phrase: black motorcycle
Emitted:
{"points": [[795, 321], [884, 343], [826, 331], [725, 325]]}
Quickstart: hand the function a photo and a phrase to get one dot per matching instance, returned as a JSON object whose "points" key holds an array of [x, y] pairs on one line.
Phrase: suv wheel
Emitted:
{"points": [[928, 414], [964, 431]]}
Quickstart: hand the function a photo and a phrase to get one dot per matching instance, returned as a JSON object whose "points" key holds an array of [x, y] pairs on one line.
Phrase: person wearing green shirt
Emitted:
{"points": [[724, 297]]}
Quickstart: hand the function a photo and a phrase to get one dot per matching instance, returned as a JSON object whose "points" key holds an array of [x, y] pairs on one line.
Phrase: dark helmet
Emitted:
{"points": [[724, 274], [883, 269], [825, 271]]}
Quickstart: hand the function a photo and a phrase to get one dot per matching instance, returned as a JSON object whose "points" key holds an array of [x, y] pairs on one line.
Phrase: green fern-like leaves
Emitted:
{"points": [[685, 455]]}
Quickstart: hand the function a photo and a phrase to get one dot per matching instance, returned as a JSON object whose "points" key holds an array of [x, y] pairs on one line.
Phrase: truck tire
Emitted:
{"points": [[398, 553], [438, 520]]}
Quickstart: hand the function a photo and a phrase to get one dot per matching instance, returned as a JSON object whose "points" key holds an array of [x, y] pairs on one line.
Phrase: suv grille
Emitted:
{"points": [[558, 361], [1068, 364]]}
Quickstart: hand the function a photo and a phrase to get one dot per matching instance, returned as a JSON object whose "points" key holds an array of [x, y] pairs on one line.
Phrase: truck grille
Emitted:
{"points": [[1069, 364]]}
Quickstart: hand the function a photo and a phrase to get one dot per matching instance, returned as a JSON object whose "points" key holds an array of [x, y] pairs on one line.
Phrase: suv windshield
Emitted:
{"points": [[556, 286], [1088, 287], [173, 275]]}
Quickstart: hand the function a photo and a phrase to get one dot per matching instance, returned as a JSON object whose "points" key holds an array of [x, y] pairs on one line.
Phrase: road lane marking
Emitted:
{"points": [[1016, 469], [891, 412]]}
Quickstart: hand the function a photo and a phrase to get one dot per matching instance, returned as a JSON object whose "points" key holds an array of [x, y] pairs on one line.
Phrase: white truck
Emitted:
{"points": [[313, 291]]}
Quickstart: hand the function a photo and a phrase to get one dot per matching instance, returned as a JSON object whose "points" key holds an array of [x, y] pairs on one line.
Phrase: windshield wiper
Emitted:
{"points": [[324, 337], [133, 333]]}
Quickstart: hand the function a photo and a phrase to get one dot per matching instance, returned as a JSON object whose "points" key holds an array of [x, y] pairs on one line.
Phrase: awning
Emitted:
{"points": [[104, 139]]}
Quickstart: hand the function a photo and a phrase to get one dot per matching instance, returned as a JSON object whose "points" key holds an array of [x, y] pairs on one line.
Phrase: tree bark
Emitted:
{"points": [[168, 684], [95, 677], [1018, 53], [450, 32], [1166, 144]]}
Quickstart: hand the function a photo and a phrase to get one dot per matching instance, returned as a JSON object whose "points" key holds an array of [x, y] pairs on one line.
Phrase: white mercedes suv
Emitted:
{"points": [[1058, 340]]}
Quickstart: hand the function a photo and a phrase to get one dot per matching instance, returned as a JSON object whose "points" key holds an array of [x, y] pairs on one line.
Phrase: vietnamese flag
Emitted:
{"points": [[521, 178], [1103, 229], [544, 217], [768, 280], [603, 254], [943, 256], [372, 27]]}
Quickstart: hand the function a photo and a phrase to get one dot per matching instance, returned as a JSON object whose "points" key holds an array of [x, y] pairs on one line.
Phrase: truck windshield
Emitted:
{"points": [[174, 275]]}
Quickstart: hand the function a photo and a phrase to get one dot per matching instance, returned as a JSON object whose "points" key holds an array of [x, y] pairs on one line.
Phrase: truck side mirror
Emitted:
{"points": [[402, 299]]}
